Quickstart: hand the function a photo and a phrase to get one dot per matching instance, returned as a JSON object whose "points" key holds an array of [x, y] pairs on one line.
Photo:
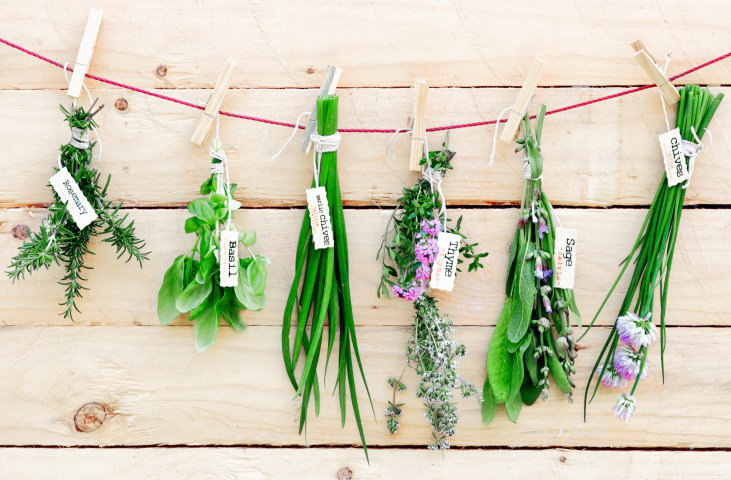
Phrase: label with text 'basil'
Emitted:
{"points": [[319, 212], [229, 261], [70, 194], [564, 257], [444, 269], [671, 145]]}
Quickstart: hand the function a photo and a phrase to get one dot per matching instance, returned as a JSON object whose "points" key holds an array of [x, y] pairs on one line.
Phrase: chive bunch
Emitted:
{"points": [[321, 291], [652, 255]]}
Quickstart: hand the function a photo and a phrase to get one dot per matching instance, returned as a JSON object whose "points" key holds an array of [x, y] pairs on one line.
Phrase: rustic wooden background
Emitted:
{"points": [[155, 399]]}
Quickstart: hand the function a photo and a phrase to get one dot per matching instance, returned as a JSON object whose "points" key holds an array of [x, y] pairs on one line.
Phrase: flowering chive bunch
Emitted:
{"points": [[533, 336], [410, 248], [623, 357]]}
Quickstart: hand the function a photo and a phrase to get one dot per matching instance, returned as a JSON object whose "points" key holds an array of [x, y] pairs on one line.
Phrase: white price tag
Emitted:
{"points": [[319, 212], [672, 155], [76, 203], [229, 261], [444, 269], [564, 257]]}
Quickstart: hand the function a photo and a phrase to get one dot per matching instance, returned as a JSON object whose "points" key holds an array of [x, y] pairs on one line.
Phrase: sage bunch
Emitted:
{"points": [[533, 337], [59, 240], [321, 291], [408, 251], [623, 357], [192, 283]]}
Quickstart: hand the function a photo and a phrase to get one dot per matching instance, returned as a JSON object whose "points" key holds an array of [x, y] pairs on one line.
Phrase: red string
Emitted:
{"points": [[354, 130]]}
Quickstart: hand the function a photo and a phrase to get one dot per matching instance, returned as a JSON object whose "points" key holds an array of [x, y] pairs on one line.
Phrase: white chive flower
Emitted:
{"points": [[625, 407], [635, 330], [611, 377], [627, 363]]}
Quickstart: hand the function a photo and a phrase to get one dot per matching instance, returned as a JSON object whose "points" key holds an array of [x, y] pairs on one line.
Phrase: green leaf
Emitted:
{"points": [[513, 406], [193, 295], [205, 326], [499, 360], [203, 209], [529, 393], [526, 294], [206, 186], [207, 268], [530, 361], [256, 276], [247, 238], [171, 288], [192, 225], [218, 197], [516, 377], [489, 404], [230, 311], [246, 295]]}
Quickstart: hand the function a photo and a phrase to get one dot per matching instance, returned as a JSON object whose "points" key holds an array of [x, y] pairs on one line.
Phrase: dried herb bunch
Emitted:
{"points": [[321, 291], [623, 357], [192, 283], [59, 240], [533, 336], [408, 251]]}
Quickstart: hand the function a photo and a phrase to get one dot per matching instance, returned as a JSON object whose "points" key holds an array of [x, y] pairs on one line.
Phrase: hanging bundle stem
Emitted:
{"points": [[322, 281]]}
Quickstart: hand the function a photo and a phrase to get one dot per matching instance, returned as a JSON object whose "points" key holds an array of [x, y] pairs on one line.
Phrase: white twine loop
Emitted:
{"points": [[497, 127], [291, 137], [221, 169], [395, 137], [78, 140], [322, 144], [692, 150]]}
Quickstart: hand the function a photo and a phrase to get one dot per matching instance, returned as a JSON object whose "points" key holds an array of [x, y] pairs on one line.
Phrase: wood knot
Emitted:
{"points": [[90, 417], [310, 70], [562, 459], [161, 70], [20, 232], [121, 104], [345, 474]]}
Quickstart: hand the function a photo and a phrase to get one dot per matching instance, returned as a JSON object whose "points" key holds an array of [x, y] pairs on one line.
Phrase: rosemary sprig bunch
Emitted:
{"points": [[407, 253], [321, 291], [59, 240], [652, 255], [533, 336], [192, 283]]}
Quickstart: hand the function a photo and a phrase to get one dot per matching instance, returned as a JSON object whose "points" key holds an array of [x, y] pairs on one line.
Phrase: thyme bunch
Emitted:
{"points": [[407, 253], [533, 336], [59, 240]]}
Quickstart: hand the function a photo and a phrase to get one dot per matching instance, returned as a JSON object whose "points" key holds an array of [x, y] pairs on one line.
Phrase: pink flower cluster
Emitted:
{"points": [[425, 250]]}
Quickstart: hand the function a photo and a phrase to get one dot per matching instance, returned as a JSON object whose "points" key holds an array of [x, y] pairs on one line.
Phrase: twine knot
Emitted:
{"points": [[692, 150], [325, 143]]}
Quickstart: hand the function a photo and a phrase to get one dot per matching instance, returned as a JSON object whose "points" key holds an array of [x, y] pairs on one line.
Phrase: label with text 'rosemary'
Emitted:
{"points": [[673, 157], [70, 194], [444, 269], [319, 212], [564, 257], [229, 258]]}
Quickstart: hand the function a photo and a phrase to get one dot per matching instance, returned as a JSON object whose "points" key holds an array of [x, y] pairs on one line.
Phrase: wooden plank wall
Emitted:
{"points": [[165, 412]]}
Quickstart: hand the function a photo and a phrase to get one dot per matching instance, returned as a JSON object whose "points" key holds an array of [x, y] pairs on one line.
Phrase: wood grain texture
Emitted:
{"points": [[156, 390], [122, 294], [377, 43], [316, 464], [602, 155]]}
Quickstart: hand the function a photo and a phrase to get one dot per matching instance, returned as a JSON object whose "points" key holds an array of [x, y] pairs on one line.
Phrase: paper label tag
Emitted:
{"points": [[564, 257], [444, 269], [672, 155], [76, 203], [319, 210], [229, 261]]}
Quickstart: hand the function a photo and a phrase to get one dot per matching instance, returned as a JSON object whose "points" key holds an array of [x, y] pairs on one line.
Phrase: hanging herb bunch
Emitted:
{"points": [[321, 289], [79, 211], [408, 252], [623, 358], [211, 281], [533, 336]]}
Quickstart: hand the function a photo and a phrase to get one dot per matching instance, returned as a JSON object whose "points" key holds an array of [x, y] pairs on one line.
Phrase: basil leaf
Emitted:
{"points": [[230, 311], [218, 197], [192, 225], [247, 238], [207, 268], [205, 326], [203, 209], [246, 295], [171, 288], [256, 275], [206, 186], [193, 295]]}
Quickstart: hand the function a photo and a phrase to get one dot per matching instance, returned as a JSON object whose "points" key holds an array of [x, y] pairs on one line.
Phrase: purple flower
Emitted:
{"points": [[542, 227], [627, 363], [611, 377], [542, 270], [546, 303], [636, 331], [431, 227]]}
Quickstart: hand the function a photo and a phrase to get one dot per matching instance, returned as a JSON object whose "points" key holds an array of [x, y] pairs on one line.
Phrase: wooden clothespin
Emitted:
{"points": [[86, 51], [418, 129], [328, 86], [659, 78], [214, 103], [527, 91]]}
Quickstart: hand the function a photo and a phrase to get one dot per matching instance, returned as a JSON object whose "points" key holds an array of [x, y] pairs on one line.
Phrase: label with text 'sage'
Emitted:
{"points": [[229, 263], [70, 194], [672, 155], [319, 212], [564, 257], [444, 269]]}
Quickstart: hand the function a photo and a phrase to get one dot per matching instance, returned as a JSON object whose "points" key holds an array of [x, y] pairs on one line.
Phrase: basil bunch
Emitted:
{"points": [[191, 284], [321, 288], [523, 350]]}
